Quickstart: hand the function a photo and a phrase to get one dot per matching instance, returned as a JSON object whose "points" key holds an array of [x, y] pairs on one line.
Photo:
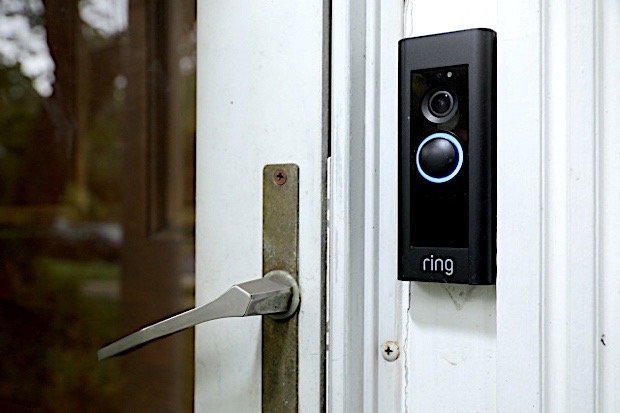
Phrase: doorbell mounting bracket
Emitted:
{"points": [[447, 158]]}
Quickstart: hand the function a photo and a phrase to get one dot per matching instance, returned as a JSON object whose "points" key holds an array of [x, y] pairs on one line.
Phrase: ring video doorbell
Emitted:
{"points": [[447, 158]]}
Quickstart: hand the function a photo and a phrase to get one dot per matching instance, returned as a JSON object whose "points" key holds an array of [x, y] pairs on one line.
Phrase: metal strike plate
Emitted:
{"points": [[280, 252], [276, 295]]}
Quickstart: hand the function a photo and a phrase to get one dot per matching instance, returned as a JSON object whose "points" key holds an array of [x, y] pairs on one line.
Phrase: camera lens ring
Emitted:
{"points": [[435, 100], [440, 103]]}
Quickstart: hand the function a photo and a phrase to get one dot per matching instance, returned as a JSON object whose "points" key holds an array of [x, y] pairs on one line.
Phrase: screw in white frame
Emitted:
{"points": [[390, 350]]}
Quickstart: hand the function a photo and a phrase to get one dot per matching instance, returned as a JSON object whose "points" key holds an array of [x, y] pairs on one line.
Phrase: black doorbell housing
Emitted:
{"points": [[447, 158]]}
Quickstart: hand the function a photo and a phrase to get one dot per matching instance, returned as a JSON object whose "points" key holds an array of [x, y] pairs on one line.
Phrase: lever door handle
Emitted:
{"points": [[276, 294]]}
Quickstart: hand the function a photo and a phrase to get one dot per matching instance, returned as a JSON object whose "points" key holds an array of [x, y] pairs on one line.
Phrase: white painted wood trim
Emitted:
{"points": [[607, 57], [570, 150], [392, 296], [346, 356], [558, 288], [520, 232], [365, 296]]}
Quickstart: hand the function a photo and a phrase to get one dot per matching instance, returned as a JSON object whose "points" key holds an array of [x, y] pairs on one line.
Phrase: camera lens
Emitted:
{"points": [[440, 103]]}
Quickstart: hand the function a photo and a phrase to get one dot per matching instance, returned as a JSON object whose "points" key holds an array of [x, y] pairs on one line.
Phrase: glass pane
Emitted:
{"points": [[97, 137]]}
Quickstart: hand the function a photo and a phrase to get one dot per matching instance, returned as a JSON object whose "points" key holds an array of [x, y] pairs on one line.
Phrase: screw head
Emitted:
{"points": [[390, 350], [279, 176]]}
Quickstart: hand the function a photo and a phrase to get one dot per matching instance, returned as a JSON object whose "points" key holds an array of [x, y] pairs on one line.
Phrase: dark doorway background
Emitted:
{"points": [[97, 161]]}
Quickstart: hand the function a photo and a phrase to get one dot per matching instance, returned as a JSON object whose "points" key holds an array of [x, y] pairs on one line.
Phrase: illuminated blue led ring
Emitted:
{"points": [[455, 143]]}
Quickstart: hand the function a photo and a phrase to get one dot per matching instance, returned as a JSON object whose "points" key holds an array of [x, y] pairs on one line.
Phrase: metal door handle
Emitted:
{"points": [[276, 294]]}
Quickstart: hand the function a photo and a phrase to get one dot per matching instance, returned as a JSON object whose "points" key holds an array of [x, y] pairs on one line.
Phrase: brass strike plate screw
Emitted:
{"points": [[279, 176]]}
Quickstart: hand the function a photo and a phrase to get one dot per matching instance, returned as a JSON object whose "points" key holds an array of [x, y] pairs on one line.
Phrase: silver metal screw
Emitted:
{"points": [[391, 350]]}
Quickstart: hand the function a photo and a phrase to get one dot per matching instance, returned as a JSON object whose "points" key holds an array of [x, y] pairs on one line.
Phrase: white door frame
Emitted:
{"points": [[547, 338], [366, 301], [559, 292]]}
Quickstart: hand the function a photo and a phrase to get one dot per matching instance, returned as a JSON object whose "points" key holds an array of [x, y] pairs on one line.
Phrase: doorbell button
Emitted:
{"points": [[439, 157]]}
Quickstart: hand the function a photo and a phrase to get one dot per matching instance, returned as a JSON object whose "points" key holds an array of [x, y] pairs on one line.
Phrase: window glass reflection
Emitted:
{"points": [[96, 201]]}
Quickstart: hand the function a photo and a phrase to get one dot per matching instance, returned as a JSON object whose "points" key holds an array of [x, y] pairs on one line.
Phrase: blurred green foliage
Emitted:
{"points": [[20, 109]]}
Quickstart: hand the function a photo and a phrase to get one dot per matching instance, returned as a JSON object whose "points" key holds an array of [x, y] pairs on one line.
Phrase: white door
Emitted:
{"points": [[262, 99]]}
